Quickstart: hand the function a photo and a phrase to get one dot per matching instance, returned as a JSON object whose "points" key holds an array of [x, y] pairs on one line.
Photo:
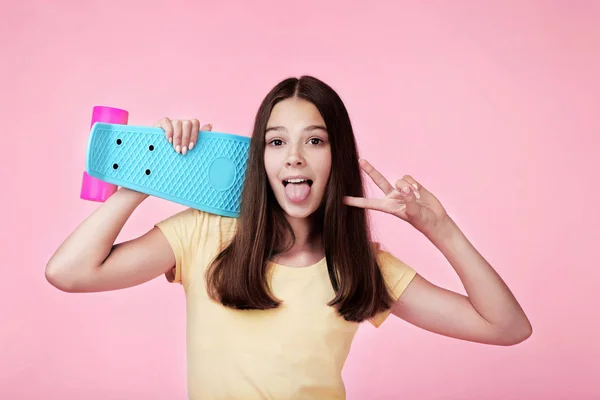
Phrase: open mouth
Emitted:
{"points": [[297, 189], [296, 182]]}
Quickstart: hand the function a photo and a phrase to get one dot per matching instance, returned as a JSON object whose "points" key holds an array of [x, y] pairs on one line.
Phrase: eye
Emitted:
{"points": [[315, 141], [276, 142]]}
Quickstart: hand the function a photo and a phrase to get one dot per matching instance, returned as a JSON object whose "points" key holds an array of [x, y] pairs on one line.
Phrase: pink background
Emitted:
{"points": [[495, 107]]}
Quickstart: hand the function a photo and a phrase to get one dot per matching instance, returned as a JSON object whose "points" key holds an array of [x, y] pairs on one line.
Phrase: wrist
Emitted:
{"points": [[444, 231]]}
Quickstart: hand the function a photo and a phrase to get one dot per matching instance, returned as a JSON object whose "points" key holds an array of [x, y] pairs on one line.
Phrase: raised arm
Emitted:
{"points": [[489, 313], [90, 261]]}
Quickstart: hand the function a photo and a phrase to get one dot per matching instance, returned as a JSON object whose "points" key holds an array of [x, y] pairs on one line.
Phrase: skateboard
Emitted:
{"points": [[210, 177]]}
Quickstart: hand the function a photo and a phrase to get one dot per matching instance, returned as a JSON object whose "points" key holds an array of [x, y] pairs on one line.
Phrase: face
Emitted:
{"points": [[297, 156]]}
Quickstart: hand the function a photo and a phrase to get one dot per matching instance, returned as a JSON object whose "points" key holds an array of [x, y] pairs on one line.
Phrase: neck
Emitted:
{"points": [[307, 237]]}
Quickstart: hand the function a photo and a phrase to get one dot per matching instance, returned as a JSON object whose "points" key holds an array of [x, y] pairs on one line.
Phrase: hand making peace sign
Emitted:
{"points": [[408, 200]]}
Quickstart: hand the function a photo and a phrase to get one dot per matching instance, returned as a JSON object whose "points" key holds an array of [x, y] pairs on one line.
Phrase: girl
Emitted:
{"points": [[274, 297]]}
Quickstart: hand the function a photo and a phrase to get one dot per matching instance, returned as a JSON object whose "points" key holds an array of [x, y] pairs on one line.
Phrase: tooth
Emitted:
{"points": [[296, 180]]}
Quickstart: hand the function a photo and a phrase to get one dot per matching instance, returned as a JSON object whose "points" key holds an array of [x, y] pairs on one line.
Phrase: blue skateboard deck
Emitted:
{"points": [[210, 177]]}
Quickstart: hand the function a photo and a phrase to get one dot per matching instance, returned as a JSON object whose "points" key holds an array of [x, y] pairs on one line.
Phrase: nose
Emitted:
{"points": [[294, 158]]}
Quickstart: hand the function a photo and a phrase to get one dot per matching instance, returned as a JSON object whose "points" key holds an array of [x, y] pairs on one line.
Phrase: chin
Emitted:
{"points": [[298, 214], [300, 210]]}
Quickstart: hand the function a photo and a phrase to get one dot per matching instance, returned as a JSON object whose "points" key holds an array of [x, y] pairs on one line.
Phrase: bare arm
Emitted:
{"points": [[90, 261], [489, 314]]}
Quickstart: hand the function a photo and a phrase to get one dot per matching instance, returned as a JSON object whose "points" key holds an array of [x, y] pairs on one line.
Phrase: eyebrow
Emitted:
{"points": [[307, 129]]}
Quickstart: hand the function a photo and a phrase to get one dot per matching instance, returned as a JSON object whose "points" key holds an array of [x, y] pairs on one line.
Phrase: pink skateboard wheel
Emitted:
{"points": [[92, 188]]}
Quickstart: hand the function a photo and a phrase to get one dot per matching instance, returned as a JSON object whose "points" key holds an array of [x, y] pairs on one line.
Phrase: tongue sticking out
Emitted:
{"points": [[297, 192]]}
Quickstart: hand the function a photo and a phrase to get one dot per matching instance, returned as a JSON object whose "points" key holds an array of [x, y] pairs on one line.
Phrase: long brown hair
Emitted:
{"points": [[238, 276]]}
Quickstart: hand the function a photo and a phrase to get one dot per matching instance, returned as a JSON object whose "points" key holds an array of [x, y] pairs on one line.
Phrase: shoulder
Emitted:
{"points": [[193, 233], [192, 223], [196, 228]]}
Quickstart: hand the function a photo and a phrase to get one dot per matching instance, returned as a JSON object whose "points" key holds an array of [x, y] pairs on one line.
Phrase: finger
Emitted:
{"points": [[166, 125], [194, 133], [406, 187], [361, 202], [177, 135], [409, 195], [379, 179], [412, 181], [186, 132]]}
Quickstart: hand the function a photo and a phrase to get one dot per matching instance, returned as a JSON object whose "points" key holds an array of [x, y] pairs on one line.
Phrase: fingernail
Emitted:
{"points": [[191, 145], [415, 186], [417, 195], [209, 126], [184, 150], [406, 189], [178, 148], [171, 140]]}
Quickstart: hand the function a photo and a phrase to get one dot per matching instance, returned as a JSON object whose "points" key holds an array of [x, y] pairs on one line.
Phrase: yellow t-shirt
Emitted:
{"points": [[296, 351]]}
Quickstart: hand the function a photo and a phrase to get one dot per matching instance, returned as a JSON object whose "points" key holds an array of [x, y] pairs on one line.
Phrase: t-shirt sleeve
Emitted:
{"points": [[183, 231], [397, 276], [196, 237]]}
